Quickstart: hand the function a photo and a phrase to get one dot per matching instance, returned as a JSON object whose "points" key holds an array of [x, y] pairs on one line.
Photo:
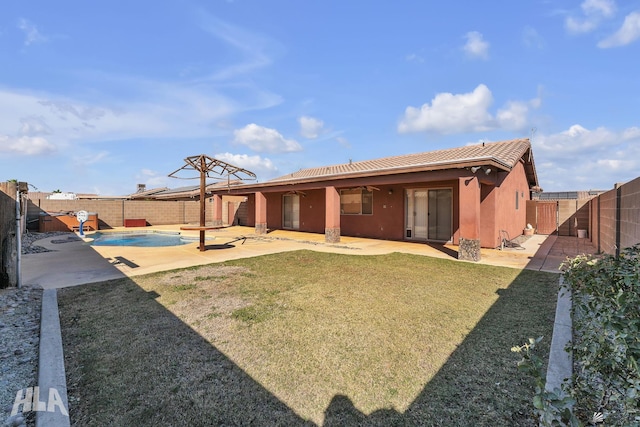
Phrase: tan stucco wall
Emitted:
{"points": [[509, 215]]}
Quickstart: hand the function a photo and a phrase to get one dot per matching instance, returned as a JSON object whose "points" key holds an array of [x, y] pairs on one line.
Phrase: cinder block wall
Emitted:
{"points": [[570, 212], [112, 213], [630, 213], [608, 202], [594, 224], [8, 248]]}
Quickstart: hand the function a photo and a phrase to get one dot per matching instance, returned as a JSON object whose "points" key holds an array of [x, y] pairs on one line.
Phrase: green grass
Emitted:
{"points": [[306, 337]]}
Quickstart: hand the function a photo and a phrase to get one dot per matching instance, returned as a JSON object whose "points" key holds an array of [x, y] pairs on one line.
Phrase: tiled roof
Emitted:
{"points": [[505, 154], [192, 191]]}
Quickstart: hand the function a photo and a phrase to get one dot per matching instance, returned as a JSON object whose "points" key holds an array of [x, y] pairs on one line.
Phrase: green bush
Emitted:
{"points": [[552, 408], [605, 384], [606, 347]]}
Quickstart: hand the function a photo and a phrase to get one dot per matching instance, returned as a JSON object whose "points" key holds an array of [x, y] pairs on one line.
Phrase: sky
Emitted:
{"points": [[97, 97]]}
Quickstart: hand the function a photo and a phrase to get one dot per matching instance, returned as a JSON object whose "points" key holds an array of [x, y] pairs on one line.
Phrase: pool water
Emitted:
{"points": [[148, 239]]}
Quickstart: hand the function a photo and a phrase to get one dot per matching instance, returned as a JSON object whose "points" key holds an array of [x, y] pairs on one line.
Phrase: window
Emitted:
{"points": [[517, 200], [356, 202]]}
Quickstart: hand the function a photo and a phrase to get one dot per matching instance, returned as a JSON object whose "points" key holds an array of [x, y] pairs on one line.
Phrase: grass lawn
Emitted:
{"points": [[307, 338]]}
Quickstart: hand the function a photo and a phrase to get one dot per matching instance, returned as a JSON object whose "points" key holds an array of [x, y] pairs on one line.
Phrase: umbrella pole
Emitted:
{"points": [[203, 185]]}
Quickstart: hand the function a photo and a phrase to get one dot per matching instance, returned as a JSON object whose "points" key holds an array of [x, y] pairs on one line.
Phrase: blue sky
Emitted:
{"points": [[96, 97]]}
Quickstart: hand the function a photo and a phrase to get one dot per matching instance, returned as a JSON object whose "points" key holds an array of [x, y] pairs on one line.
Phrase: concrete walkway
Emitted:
{"points": [[75, 262]]}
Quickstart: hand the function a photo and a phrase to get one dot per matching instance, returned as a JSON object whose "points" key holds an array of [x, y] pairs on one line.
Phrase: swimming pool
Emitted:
{"points": [[146, 239]]}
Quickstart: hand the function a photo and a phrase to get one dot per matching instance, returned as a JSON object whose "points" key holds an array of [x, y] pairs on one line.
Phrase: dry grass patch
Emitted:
{"points": [[304, 336]]}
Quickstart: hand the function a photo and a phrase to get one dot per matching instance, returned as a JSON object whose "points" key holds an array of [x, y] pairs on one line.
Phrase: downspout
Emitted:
{"points": [[18, 242]]}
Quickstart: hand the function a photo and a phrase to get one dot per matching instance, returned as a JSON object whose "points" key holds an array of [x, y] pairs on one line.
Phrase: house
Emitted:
{"points": [[465, 196]]}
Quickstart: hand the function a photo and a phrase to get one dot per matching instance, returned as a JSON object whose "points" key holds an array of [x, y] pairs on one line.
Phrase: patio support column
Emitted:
{"points": [[469, 212], [261, 213], [332, 215], [217, 210]]}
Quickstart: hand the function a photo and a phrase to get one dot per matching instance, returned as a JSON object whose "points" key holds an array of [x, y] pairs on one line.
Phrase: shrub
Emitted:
{"points": [[552, 408], [606, 347]]}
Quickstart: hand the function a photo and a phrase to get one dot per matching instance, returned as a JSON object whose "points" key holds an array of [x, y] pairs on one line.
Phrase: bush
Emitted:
{"points": [[606, 347]]}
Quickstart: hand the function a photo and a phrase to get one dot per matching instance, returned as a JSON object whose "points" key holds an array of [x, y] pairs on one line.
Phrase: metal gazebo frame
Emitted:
{"points": [[209, 167]]}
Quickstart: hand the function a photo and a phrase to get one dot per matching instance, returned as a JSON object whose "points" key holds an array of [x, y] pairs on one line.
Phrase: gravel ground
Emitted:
{"points": [[19, 339], [29, 238]]}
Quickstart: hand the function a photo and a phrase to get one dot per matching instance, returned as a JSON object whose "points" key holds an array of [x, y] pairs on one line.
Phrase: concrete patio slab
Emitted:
{"points": [[74, 261]]}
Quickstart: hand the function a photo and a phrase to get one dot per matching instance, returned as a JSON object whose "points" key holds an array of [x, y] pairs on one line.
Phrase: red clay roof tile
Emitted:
{"points": [[504, 153]]}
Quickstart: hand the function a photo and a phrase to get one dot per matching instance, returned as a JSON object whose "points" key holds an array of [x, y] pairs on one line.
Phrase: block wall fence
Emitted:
{"points": [[8, 245], [615, 218], [612, 219], [112, 213]]}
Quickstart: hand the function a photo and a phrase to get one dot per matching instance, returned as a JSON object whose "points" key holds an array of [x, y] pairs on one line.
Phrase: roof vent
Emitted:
{"points": [[142, 188]]}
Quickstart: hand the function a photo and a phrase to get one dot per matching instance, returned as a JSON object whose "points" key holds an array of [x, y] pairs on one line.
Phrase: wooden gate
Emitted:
{"points": [[546, 217]]}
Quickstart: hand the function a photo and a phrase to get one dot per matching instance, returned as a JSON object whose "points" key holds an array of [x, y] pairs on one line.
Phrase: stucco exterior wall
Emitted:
{"points": [[312, 208], [489, 231], [512, 195], [274, 210], [388, 219]]}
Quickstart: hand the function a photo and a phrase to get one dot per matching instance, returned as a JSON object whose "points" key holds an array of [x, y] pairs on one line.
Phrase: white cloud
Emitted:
{"points": [[414, 57], [310, 127], [154, 110], [578, 26], [628, 33], [531, 38], [476, 46], [89, 159], [577, 139], [580, 159], [449, 113], [466, 112], [262, 167], [605, 8], [154, 179], [513, 116], [25, 145], [262, 139], [31, 33], [257, 50], [33, 126], [593, 12], [343, 141], [631, 133]]}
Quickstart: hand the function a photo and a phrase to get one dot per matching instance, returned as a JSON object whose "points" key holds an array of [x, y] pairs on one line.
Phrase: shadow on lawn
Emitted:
{"points": [[470, 390], [181, 379], [163, 379]]}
